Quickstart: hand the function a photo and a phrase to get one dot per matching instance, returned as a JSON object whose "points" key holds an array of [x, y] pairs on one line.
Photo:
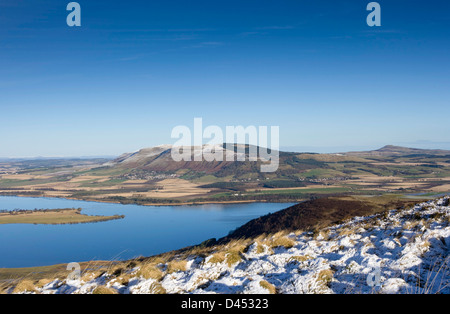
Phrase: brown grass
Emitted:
{"points": [[282, 242], [104, 290], [24, 286], [157, 288], [176, 266], [325, 277], [260, 249], [41, 283], [325, 234], [300, 258], [150, 271], [234, 257], [124, 279], [268, 286], [217, 258], [346, 231]]}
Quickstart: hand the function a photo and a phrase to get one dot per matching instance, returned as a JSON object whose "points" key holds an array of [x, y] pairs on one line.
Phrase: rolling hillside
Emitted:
{"points": [[151, 176]]}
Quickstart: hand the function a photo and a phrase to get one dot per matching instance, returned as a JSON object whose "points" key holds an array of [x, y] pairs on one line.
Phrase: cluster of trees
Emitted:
{"points": [[283, 184], [22, 193], [29, 211], [275, 198], [233, 186], [141, 200]]}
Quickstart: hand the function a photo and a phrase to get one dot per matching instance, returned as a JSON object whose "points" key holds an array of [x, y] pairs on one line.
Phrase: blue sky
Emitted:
{"points": [[136, 69]]}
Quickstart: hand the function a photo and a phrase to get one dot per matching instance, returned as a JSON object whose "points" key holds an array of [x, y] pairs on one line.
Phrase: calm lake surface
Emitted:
{"points": [[145, 230]]}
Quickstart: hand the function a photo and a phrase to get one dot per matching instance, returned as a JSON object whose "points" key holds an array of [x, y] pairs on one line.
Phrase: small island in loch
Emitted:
{"points": [[51, 217]]}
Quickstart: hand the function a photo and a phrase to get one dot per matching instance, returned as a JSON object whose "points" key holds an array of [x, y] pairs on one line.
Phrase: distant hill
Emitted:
{"points": [[159, 159], [294, 168], [391, 150]]}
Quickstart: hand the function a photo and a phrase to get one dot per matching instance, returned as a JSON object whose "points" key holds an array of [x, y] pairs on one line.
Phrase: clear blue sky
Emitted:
{"points": [[136, 69]]}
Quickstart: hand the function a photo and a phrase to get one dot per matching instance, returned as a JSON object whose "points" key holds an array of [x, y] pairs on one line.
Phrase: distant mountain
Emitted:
{"points": [[391, 150]]}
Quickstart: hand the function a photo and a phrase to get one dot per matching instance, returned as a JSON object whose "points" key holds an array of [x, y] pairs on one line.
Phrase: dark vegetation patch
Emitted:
{"points": [[141, 200], [277, 184], [314, 214], [233, 186]]}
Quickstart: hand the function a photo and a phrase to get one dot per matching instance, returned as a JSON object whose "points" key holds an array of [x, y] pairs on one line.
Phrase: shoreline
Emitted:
{"points": [[162, 204]]}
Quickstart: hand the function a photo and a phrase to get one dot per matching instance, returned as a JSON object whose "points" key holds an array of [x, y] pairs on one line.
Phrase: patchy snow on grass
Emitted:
{"points": [[401, 251]]}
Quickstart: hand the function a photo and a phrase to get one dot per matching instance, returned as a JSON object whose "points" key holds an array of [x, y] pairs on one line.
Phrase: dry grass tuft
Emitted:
{"points": [[162, 259], [103, 290], [217, 258], [325, 277], [88, 276], [409, 225], [41, 283], [300, 259], [4, 288], [425, 246], [150, 271], [157, 288], [346, 231], [268, 286], [260, 249], [24, 286], [176, 266], [124, 279], [282, 242], [234, 257], [321, 234]]}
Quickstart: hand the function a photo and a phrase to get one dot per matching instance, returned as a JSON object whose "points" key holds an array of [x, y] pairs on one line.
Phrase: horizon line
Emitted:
{"points": [[286, 149]]}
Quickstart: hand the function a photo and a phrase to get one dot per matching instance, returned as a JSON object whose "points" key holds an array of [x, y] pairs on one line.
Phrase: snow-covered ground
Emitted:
{"points": [[402, 251]]}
